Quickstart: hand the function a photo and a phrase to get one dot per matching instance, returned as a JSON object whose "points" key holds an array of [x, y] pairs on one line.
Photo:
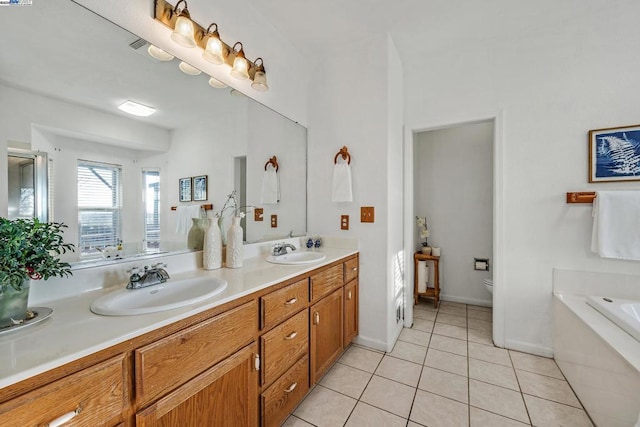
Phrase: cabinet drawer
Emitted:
{"points": [[171, 361], [282, 303], [280, 399], [326, 281], [283, 345], [99, 393], [350, 270]]}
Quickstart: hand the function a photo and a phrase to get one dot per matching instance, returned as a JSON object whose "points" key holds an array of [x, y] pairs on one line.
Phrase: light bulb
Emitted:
{"points": [[260, 82], [183, 31], [213, 52], [240, 68]]}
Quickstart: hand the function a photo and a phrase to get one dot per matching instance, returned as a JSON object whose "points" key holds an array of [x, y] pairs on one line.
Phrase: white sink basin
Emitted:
{"points": [[165, 296], [296, 258]]}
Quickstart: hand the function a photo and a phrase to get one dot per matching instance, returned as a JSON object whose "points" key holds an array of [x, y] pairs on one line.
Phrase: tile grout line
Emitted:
{"points": [[524, 402]]}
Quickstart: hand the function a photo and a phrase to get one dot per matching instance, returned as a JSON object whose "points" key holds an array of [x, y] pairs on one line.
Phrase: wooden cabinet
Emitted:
{"points": [[326, 333], [280, 399], [430, 292], [283, 345], [95, 396], [225, 395], [350, 311]]}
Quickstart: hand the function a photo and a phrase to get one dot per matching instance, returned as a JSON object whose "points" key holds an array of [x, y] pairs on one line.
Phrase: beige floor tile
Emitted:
{"points": [[449, 362], [426, 305], [399, 370], [489, 353], [370, 416], [324, 407], [412, 424], [479, 308], [422, 325], [389, 395], [480, 325], [455, 311], [451, 319], [498, 400], [480, 337], [550, 414], [444, 384], [453, 304], [437, 411], [448, 344], [415, 337], [547, 388], [503, 376], [479, 315], [424, 314], [346, 380], [450, 331], [537, 364], [360, 358], [408, 351], [296, 422], [480, 418]]}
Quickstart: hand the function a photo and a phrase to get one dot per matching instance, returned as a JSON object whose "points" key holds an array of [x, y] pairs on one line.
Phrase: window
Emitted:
{"points": [[151, 195], [99, 206]]}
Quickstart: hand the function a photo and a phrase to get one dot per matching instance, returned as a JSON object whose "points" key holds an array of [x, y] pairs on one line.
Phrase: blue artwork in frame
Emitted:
{"points": [[614, 154]]}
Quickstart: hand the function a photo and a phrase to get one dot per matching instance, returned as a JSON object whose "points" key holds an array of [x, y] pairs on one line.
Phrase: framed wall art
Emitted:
{"points": [[614, 154], [200, 188], [184, 189]]}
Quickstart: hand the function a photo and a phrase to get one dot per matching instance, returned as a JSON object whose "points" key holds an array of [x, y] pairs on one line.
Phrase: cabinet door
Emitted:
{"points": [[225, 395], [350, 311], [326, 333]]}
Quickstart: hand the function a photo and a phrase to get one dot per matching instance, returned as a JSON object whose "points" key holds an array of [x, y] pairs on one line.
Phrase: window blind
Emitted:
{"points": [[151, 189]]}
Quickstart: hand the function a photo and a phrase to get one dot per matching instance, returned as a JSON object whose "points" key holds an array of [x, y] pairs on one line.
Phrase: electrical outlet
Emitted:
{"points": [[367, 214], [258, 214], [274, 221], [344, 222]]}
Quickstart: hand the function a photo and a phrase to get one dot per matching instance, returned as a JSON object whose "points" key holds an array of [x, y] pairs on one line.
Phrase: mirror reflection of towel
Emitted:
{"points": [[185, 213], [270, 187], [341, 191]]}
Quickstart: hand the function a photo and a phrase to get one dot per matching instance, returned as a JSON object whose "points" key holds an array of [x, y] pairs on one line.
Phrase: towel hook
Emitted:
{"points": [[273, 162], [344, 152]]}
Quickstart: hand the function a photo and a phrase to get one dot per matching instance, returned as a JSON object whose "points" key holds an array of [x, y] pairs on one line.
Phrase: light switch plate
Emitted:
{"points": [[258, 214], [344, 222], [367, 214]]}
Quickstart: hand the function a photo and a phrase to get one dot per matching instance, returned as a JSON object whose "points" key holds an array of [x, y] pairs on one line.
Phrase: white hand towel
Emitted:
{"points": [[341, 191], [185, 213], [270, 187], [616, 225]]}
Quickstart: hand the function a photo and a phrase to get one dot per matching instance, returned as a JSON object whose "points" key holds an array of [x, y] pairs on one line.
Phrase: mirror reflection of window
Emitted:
{"points": [[99, 206], [27, 184], [151, 197]]}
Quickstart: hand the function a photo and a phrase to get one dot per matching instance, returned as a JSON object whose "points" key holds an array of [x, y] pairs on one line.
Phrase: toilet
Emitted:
{"points": [[488, 283]]}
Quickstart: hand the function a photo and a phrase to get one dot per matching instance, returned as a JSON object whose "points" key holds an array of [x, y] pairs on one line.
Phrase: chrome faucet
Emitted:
{"points": [[153, 275], [281, 248]]}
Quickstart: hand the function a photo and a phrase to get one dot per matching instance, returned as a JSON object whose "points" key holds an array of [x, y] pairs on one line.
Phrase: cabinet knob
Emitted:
{"points": [[291, 336], [63, 419], [316, 316], [291, 301], [256, 362], [291, 388], [349, 295]]}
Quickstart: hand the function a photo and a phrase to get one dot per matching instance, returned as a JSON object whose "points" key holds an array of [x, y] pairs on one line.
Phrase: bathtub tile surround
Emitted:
{"points": [[433, 379]]}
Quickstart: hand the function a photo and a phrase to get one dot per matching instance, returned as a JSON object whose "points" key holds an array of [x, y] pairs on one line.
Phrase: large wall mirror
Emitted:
{"points": [[63, 73]]}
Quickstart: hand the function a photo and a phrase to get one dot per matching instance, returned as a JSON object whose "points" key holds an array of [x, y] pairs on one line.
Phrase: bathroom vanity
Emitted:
{"points": [[246, 359]]}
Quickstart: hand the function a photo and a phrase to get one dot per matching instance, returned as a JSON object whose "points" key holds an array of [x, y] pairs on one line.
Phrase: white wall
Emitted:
{"points": [[554, 82], [454, 190]]}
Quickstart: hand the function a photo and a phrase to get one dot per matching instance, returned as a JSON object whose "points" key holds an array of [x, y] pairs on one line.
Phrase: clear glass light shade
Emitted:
{"points": [[213, 82], [260, 81], [240, 68], [213, 51], [183, 32], [188, 69], [159, 54]]}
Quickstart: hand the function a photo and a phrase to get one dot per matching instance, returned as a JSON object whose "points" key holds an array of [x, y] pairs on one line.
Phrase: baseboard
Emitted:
{"points": [[371, 343], [530, 348], [463, 300]]}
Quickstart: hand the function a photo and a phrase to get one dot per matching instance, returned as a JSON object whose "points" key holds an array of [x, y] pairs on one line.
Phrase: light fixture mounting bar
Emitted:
{"points": [[163, 13]]}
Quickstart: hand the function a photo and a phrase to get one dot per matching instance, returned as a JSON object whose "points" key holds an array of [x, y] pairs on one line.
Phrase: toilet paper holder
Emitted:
{"points": [[481, 264]]}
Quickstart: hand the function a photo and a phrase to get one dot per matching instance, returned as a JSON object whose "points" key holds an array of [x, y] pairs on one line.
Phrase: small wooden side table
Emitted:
{"points": [[431, 292]]}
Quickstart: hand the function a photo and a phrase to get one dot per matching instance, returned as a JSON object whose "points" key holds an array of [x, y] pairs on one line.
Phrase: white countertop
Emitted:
{"points": [[73, 331]]}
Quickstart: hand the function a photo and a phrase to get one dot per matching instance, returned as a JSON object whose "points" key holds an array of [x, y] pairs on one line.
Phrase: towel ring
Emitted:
{"points": [[273, 162], [344, 152]]}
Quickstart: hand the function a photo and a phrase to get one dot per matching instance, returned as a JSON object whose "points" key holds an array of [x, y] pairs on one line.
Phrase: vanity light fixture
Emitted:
{"points": [[240, 68], [136, 109], [213, 82], [159, 54], [183, 31], [188, 69], [214, 50], [259, 77]]}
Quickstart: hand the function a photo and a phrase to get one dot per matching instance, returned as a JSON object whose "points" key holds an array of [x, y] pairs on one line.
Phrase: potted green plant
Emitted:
{"points": [[29, 250]]}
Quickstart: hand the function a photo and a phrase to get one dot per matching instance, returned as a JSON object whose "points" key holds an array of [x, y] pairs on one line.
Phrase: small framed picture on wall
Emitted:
{"points": [[184, 190], [614, 154], [200, 188]]}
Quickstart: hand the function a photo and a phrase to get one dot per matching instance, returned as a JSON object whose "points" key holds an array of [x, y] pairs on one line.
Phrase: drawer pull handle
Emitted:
{"points": [[291, 336], [291, 301], [63, 419], [291, 388], [349, 295], [316, 315]]}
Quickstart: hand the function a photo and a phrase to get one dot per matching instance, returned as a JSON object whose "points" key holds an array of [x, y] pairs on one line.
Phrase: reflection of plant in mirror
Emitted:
{"points": [[232, 203]]}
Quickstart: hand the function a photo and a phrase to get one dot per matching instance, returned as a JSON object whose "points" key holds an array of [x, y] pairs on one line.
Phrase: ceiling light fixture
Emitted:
{"points": [[159, 54], [188, 69], [215, 50], [183, 29], [136, 109], [213, 82]]}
